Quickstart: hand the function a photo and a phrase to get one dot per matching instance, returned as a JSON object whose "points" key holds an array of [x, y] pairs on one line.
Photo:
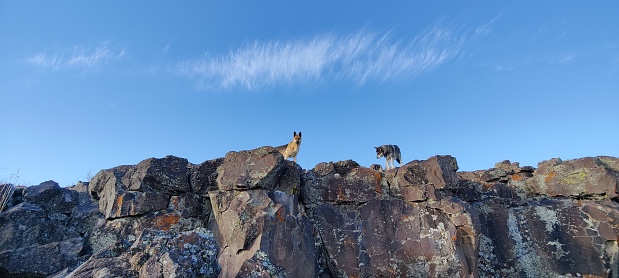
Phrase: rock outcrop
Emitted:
{"points": [[254, 214]]}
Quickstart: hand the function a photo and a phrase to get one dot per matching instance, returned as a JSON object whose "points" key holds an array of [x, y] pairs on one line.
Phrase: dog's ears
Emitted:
{"points": [[299, 133], [295, 133]]}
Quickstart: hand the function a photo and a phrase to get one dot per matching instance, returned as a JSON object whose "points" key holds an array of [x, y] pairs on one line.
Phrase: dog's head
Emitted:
{"points": [[379, 152], [297, 137]]}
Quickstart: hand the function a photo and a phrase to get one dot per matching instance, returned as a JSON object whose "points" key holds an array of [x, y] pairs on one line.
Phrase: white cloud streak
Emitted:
{"points": [[360, 57], [80, 58]]}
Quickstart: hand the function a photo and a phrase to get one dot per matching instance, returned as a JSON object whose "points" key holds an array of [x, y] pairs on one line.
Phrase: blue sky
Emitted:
{"points": [[92, 85]]}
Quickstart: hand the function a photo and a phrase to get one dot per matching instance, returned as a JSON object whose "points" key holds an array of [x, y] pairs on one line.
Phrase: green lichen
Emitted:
{"points": [[576, 178]]}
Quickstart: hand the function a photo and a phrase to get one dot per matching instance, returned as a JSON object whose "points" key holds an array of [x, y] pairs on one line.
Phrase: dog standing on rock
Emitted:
{"points": [[292, 148], [391, 153]]}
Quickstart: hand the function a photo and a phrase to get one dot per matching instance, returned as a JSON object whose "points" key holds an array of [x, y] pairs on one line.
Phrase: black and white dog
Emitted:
{"points": [[391, 153]]}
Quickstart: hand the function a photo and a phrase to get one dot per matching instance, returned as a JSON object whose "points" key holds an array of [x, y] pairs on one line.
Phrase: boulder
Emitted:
{"points": [[418, 180], [549, 238], [203, 177], [382, 238], [258, 168], [133, 203], [252, 221], [156, 253], [168, 175], [44, 259], [343, 182], [584, 177]]}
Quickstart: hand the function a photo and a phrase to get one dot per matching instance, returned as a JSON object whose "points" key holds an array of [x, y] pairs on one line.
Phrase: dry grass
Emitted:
{"points": [[6, 190]]}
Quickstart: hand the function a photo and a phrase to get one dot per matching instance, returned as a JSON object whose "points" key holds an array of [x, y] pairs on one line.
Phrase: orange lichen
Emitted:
{"points": [[280, 215], [379, 178], [486, 186], [119, 204], [454, 238], [340, 193], [550, 176], [165, 222], [516, 177]]}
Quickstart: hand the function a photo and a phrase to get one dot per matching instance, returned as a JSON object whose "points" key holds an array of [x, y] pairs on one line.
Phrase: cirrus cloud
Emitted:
{"points": [[80, 57], [359, 57]]}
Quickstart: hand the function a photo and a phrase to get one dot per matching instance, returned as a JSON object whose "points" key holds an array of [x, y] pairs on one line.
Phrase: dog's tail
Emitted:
{"points": [[398, 160]]}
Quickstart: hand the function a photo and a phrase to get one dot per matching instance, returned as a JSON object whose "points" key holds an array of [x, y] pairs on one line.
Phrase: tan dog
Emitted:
{"points": [[292, 148]]}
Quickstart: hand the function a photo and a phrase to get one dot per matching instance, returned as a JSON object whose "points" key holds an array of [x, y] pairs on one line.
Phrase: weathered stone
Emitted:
{"points": [[259, 220], [104, 268], [203, 177], [589, 176], [419, 220], [440, 171], [343, 182], [133, 203], [290, 181], [418, 180], [549, 238], [45, 259], [259, 266], [169, 174], [258, 168], [51, 197], [156, 253], [191, 205], [393, 238], [108, 178]]}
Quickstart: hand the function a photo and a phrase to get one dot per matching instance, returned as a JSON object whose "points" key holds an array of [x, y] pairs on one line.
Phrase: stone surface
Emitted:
{"points": [[43, 232], [167, 175], [394, 238], [156, 253], [343, 182], [589, 176], [251, 221], [548, 238], [259, 168], [203, 176], [253, 214]]}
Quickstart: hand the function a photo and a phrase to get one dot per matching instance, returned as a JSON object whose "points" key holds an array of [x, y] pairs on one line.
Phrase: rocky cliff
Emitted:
{"points": [[254, 214]]}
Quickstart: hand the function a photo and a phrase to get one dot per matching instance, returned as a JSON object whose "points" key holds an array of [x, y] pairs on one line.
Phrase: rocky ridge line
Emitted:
{"points": [[254, 214]]}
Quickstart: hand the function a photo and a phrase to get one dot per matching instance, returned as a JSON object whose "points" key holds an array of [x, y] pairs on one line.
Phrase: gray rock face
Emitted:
{"points": [[44, 232], [254, 214]]}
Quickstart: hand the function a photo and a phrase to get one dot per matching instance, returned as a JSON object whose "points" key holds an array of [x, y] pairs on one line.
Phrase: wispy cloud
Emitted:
{"points": [[358, 57], [566, 60], [485, 28], [81, 58]]}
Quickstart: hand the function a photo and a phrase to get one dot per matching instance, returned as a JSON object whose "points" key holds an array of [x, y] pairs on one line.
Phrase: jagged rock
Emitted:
{"points": [[43, 259], [108, 178], [343, 182], [167, 175], [589, 176], [191, 205], [157, 254], [394, 238], [258, 168], [260, 220], [43, 233], [271, 218], [203, 176], [51, 197], [123, 191], [549, 238], [259, 266]]}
